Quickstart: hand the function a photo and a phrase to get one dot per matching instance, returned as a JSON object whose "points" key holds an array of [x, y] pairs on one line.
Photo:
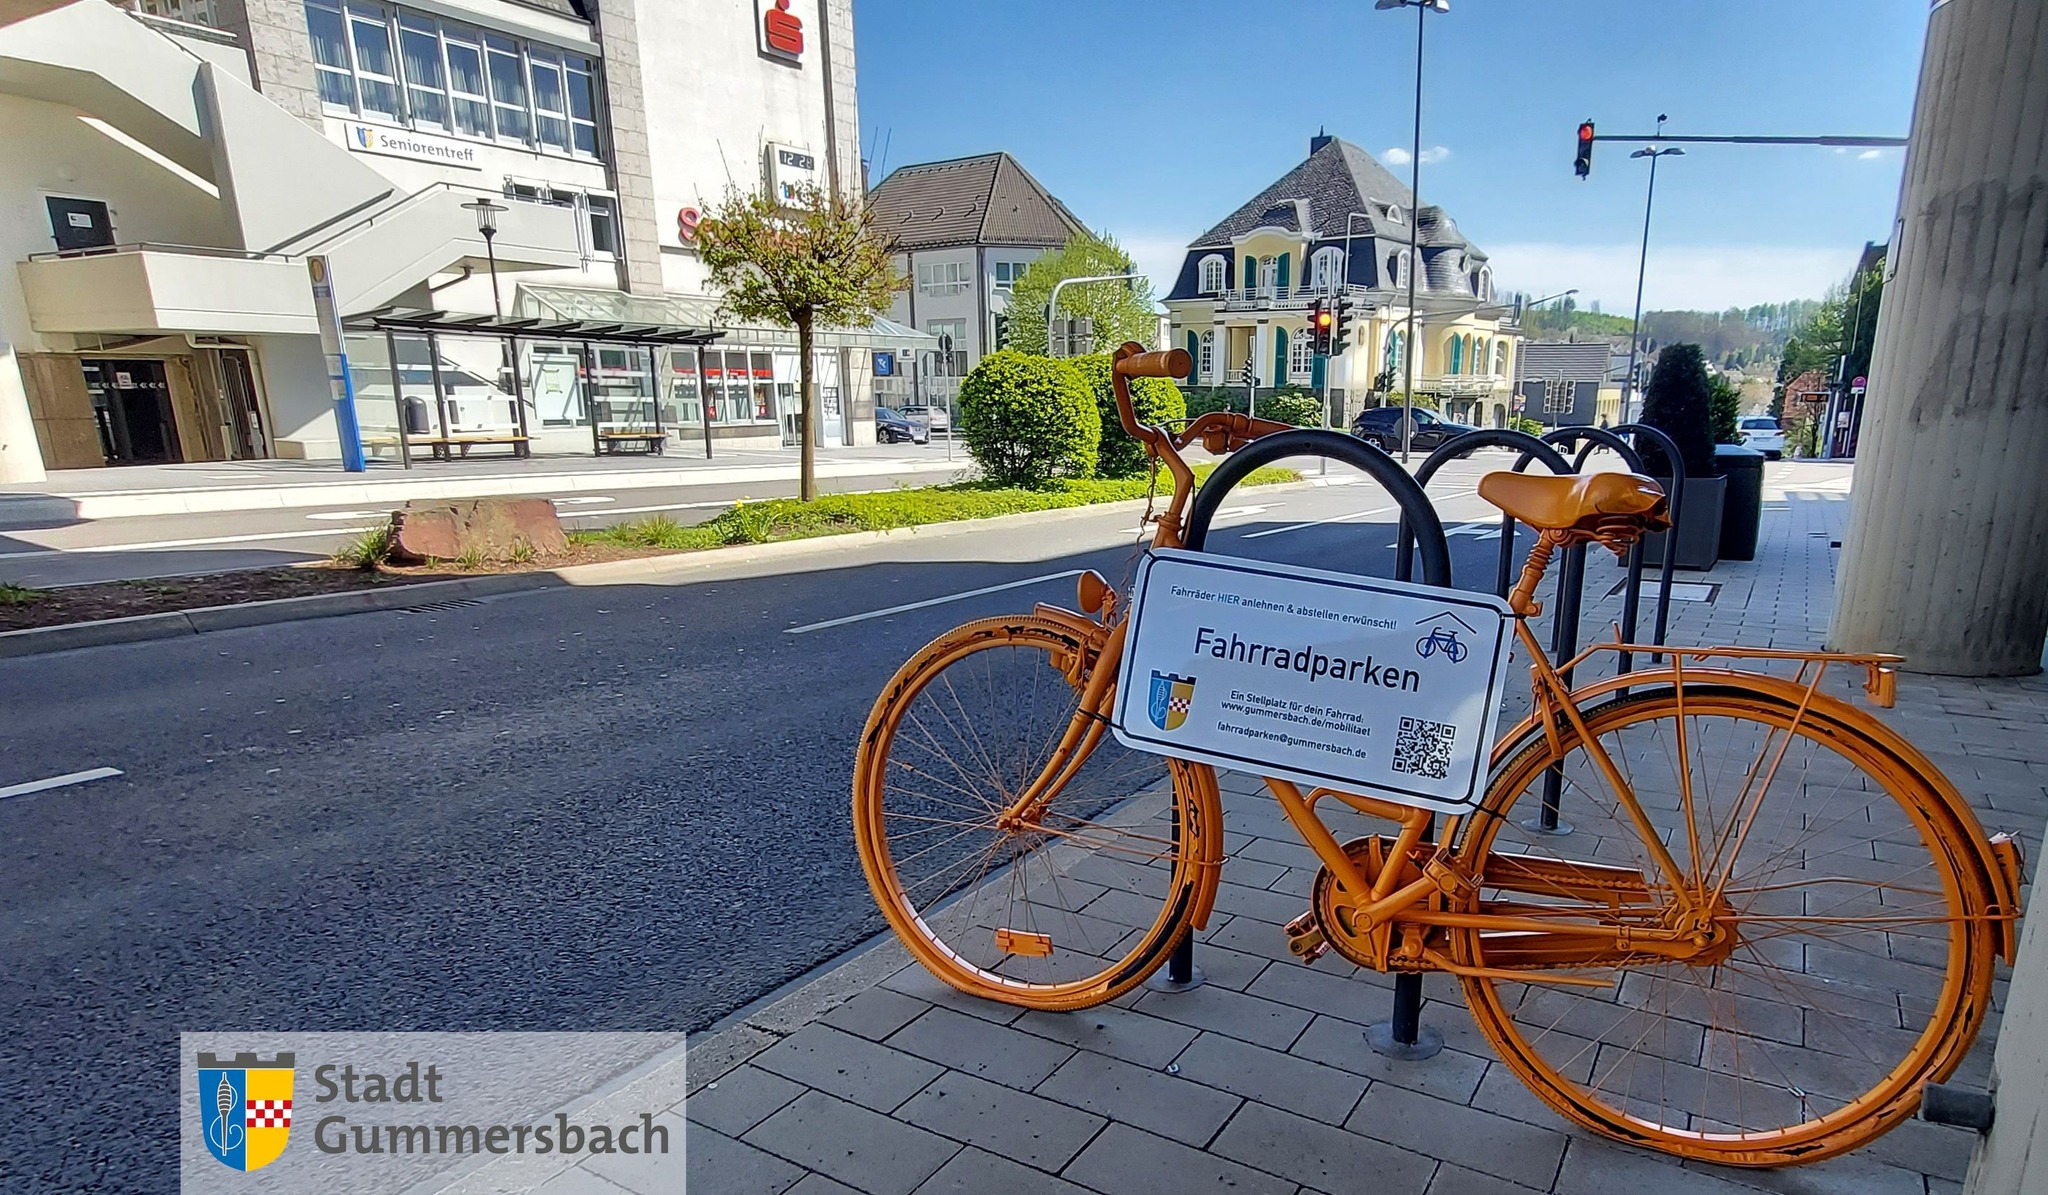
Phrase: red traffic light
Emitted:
{"points": [[1584, 163]]}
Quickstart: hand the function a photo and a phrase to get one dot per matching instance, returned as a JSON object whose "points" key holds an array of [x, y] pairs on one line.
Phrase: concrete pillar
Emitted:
{"points": [[1946, 560], [2013, 1156], [21, 457]]}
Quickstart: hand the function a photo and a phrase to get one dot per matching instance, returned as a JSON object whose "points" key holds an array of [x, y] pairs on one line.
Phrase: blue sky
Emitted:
{"points": [[1152, 120]]}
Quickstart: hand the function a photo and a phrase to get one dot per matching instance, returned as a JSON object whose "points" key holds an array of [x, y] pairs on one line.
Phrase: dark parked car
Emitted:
{"points": [[1381, 426], [893, 427]]}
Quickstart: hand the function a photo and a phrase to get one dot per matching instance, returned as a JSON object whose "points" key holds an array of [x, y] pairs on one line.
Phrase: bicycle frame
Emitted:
{"points": [[1430, 885]]}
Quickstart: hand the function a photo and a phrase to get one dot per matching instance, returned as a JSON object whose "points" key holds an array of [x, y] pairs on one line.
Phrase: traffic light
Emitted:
{"points": [[1340, 324], [1584, 164], [1319, 321]]}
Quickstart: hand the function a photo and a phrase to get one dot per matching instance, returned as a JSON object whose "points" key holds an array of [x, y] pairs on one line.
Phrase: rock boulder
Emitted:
{"points": [[493, 528]]}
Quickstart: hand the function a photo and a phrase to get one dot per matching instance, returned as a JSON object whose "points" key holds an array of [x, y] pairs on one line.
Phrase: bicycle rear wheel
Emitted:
{"points": [[1068, 909], [1848, 960]]}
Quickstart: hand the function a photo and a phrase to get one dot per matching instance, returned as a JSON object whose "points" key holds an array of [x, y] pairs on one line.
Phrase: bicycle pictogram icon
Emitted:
{"points": [[1442, 639]]}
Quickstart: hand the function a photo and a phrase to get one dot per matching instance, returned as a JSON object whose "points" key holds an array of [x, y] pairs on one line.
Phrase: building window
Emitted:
{"points": [[1301, 355], [602, 218], [1500, 358], [1269, 275], [1205, 367], [943, 277], [951, 360], [1326, 270], [1484, 287], [369, 35], [1212, 276], [1393, 211], [1008, 272], [446, 77]]}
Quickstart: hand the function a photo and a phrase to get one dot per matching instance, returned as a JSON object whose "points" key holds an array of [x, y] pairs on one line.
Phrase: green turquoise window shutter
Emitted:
{"points": [[1248, 277], [1280, 342], [1194, 358], [1457, 353], [1285, 261]]}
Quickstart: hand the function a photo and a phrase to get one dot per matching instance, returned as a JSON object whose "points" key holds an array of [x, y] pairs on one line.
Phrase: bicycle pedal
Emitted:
{"points": [[1305, 938]]}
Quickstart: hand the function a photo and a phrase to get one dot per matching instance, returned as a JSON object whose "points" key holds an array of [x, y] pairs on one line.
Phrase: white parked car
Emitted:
{"points": [[933, 418], [1762, 433]]}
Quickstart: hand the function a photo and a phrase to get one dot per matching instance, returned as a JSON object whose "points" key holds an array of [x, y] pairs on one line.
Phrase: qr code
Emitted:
{"points": [[1424, 748]]}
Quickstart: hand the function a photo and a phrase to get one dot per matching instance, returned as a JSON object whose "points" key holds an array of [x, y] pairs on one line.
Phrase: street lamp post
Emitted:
{"points": [[487, 224], [1422, 10], [1642, 264]]}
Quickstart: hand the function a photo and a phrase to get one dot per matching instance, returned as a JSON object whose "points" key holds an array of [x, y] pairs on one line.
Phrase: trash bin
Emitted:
{"points": [[416, 423], [1742, 511]]}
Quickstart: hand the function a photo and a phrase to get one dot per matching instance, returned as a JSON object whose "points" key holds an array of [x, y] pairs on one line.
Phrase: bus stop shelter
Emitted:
{"points": [[423, 425]]}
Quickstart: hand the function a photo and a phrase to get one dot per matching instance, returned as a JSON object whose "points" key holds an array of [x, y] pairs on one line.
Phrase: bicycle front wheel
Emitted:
{"points": [[1841, 958], [1072, 905]]}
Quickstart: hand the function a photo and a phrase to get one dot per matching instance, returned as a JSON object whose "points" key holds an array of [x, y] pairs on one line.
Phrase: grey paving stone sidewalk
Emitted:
{"points": [[875, 1078]]}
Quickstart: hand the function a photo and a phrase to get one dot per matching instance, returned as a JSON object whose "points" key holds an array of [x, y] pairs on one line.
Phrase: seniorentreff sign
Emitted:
{"points": [[1327, 679], [403, 143]]}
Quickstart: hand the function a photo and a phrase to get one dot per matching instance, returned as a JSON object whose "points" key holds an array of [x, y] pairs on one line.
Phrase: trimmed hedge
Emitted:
{"points": [[1029, 421], [836, 514], [1157, 401], [1296, 407]]}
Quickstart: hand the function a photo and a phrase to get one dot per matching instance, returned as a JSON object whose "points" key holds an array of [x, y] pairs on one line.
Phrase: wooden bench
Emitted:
{"points": [[651, 442], [446, 448]]}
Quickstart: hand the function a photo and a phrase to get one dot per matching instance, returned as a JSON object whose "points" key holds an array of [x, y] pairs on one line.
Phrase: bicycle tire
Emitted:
{"points": [[1105, 883], [1823, 1073]]}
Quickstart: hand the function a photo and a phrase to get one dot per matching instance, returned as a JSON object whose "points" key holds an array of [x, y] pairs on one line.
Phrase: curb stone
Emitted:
{"points": [[142, 628]]}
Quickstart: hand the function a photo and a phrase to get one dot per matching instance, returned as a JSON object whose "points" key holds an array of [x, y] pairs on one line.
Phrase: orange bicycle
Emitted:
{"points": [[1776, 920]]}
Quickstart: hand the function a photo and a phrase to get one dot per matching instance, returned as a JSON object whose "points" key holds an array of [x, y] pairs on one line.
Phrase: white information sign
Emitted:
{"points": [[1327, 679]]}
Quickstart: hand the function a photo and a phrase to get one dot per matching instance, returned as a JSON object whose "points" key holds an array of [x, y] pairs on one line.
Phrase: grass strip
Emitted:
{"points": [[838, 514]]}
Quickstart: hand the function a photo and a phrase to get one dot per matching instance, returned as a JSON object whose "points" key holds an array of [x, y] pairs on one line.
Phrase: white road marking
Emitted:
{"points": [[585, 500], [88, 550], [1343, 518], [937, 601], [329, 516], [64, 781]]}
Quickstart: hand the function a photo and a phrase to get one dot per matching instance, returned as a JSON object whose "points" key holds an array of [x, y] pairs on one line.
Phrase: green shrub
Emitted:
{"points": [[1215, 398], [1156, 400], [1724, 405], [18, 595], [1297, 407], [1029, 421], [1522, 423]]}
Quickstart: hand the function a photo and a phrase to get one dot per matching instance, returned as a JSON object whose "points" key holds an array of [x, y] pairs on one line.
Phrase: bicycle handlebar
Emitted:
{"points": [[1172, 363]]}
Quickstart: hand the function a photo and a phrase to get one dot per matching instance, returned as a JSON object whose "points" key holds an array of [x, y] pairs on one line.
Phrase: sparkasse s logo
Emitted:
{"points": [[782, 32], [245, 1108]]}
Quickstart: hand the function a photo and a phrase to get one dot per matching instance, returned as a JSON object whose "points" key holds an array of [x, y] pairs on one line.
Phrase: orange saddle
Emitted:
{"points": [[1577, 501]]}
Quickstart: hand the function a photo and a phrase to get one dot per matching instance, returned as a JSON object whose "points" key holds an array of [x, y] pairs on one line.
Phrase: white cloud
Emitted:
{"points": [[1707, 278], [1870, 155], [1396, 156]]}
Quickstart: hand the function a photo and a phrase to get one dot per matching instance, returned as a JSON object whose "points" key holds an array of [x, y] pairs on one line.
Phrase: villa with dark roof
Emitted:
{"points": [[1340, 223], [964, 231]]}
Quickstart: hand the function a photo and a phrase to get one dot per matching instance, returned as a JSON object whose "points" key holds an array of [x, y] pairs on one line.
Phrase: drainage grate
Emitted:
{"points": [[1681, 591], [450, 604]]}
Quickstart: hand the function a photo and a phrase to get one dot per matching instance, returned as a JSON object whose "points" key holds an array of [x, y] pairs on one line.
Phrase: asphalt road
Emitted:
{"points": [[170, 545], [590, 808]]}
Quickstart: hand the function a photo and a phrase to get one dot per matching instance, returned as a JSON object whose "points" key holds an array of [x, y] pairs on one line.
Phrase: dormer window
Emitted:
{"points": [[1393, 213], [1211, 280]]}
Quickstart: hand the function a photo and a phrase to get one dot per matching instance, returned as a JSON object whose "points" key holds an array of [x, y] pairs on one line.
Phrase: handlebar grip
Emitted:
{"points": [[1173, 363]]}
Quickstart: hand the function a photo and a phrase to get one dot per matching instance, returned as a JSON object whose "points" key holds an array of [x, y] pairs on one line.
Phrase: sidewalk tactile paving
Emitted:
{"points": [[1261, 1080]]}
